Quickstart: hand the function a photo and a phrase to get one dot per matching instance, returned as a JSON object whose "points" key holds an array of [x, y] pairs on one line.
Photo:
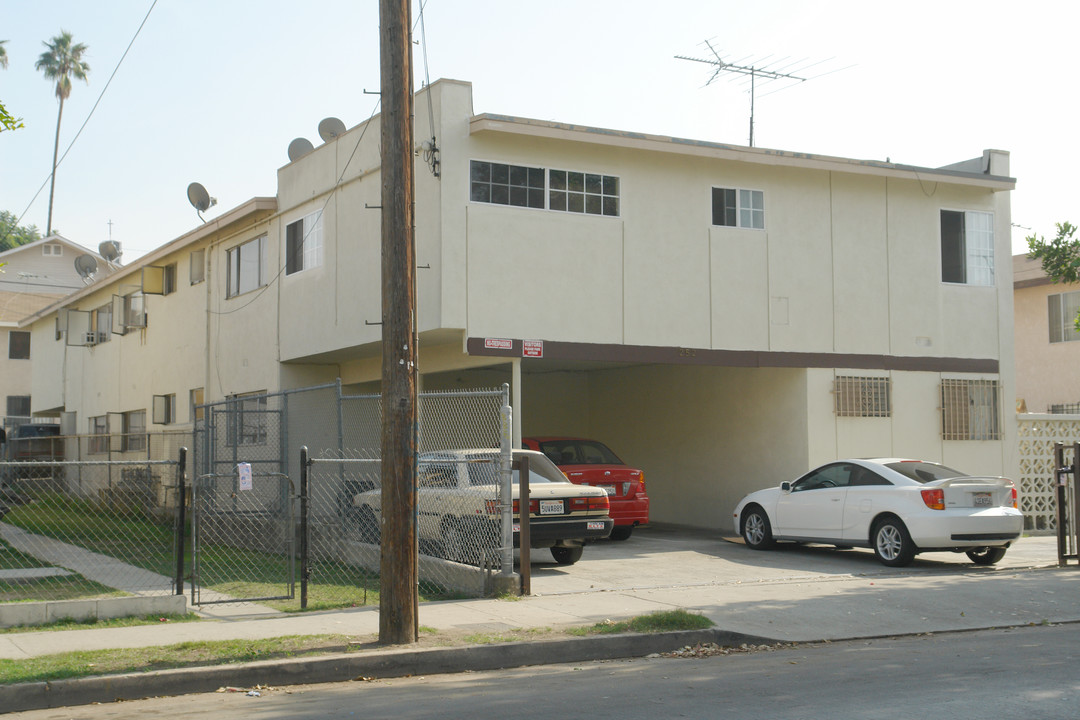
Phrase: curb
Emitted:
{"points": [[387, 663]]}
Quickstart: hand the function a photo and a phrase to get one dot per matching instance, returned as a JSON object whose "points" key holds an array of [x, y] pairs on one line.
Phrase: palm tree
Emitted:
{"points": [[3, 54], [61, 62]]}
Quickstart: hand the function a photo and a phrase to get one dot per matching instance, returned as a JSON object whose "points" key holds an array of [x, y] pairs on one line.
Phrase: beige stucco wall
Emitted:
{"points": [[1046, 373]]}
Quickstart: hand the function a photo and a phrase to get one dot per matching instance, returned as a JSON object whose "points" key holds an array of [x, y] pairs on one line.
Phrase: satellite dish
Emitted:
{"points": [[110, 250], [298, 148], [330, 128], [200, 199], [86, 266]]}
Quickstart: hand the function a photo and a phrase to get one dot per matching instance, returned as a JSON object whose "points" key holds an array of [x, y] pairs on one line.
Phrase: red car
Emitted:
{"points": [[589, 462]]}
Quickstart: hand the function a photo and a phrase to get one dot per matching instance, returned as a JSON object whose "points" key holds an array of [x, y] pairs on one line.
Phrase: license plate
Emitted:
{"points": [[551, 507], [609, 489], [595, 525], [983, 499]]}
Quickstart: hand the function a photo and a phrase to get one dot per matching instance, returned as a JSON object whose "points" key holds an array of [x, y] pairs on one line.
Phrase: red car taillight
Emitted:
{"points": [[1012, 492], [590, 503], [934, 498]]}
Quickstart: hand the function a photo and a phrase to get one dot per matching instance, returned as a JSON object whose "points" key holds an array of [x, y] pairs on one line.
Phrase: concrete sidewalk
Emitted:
{"points": [[798, 593]]}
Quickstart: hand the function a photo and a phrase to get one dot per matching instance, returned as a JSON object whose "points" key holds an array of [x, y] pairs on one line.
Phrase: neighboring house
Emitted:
{"points": [[33, 277], [1047, 351], [725, 316]]}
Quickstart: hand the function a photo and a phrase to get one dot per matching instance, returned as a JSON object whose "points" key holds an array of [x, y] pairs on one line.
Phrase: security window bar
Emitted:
{"points": [[247, 420], [970, 410], [304, 243], [581, 192], [246, 267], [738, 207], [502, 184], [1062, 310], [18, 406], [18, 345], [863, 397], [967, 247]]}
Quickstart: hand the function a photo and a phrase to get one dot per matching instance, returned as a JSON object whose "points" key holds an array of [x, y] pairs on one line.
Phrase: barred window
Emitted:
{"points": [[247, 419], [99, 430], [18, 406], [970, 410], [863, 397]]}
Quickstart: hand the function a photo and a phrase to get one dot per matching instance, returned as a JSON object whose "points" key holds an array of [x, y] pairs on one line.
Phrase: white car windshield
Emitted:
{"points": [[924, 472]]}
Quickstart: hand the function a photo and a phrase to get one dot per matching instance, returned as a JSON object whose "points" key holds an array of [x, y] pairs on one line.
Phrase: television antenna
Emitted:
{"points": [[782, 69]]}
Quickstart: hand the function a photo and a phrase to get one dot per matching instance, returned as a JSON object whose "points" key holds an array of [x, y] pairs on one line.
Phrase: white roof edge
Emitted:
{"points": [[764, 156], [249, 207]]}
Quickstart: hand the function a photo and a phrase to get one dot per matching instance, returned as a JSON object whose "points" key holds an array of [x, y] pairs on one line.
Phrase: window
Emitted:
{"points": [[303, 243], [168, 280], [967, 247], [198, 266], [533, 187], [247, 267], [52, 249], [247, 419], [134, 431], [970, 410], [102, 324], [195, 399], [583, 193], [18, 345], [862, 397], [18, 406], [99, 432], [1062, 310], [135, 310], [506, 184], [738, 208], [164, 409]]}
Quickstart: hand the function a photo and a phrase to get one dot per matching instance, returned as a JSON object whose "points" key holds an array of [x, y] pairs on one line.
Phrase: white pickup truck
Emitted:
{"points": [[457, 507]]}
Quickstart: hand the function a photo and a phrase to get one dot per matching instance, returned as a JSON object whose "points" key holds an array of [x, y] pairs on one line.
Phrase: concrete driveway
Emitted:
{"points": [[669, 556]]}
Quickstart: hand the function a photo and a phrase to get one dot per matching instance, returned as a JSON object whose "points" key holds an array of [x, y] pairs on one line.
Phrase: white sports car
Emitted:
{"points": [[897, 507]]}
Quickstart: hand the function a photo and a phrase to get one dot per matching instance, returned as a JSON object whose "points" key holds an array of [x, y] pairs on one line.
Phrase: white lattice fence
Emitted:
{"points": [[1037, 435]]}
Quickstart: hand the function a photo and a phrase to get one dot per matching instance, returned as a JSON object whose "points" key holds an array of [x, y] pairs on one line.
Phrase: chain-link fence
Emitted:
{"points": [[92, 518]]}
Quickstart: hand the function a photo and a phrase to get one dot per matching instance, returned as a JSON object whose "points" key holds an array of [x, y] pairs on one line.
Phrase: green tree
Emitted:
{"points": [[12, 235], [61, 62], [3, 55], [7, 122], [1060, 255]]}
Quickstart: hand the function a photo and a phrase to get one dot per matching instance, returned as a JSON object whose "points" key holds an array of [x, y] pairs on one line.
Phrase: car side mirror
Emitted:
{"points": [[785, 486]]}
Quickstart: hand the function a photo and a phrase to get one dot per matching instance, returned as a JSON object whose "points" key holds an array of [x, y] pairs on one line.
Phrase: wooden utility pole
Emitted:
{"points": [[398, 563]]}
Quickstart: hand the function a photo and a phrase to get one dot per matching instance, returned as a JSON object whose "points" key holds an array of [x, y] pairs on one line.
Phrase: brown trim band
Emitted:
{"points": [[596, 352]]}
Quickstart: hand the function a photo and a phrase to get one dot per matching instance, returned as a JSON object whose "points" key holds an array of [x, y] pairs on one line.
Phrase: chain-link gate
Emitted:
{"points": [[246, 540], [1067, 475]]}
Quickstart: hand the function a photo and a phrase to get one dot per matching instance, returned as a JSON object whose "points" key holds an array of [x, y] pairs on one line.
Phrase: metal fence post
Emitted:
{"points": [[181, 520], [525, 534], [305, 463], [507, 579]]}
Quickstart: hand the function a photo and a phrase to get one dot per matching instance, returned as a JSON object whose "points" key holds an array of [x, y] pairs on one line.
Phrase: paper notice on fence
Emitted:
{"points": [[244, 471]]}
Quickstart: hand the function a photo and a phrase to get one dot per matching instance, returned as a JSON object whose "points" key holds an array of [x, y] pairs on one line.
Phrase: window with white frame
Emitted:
{"points": [[247, 268], [52, 249], [535, 187], [102, 324], [98, 428], [862, 396], [967, 247], [970, 410], [18, 345], [18, 406], [135, 310], [168, 279], [737, 207], [304, 243], [134, 431], [582, 192], [1062, 309]]}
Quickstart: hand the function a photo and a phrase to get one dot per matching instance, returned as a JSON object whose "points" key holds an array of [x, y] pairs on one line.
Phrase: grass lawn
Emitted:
{"points": [[63, 587]]}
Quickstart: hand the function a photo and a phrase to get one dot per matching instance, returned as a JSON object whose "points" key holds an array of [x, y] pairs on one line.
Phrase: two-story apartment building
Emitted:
{"points": [[723, 316], [1047, 351], [32, 277]]}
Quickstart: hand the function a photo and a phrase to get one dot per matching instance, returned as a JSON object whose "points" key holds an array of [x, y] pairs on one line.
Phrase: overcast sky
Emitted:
{"points": [[214, 90]]}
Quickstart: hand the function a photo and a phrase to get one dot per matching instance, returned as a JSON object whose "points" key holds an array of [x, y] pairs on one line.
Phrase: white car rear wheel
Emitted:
{"points": [[756, 530], [892, 543]]}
